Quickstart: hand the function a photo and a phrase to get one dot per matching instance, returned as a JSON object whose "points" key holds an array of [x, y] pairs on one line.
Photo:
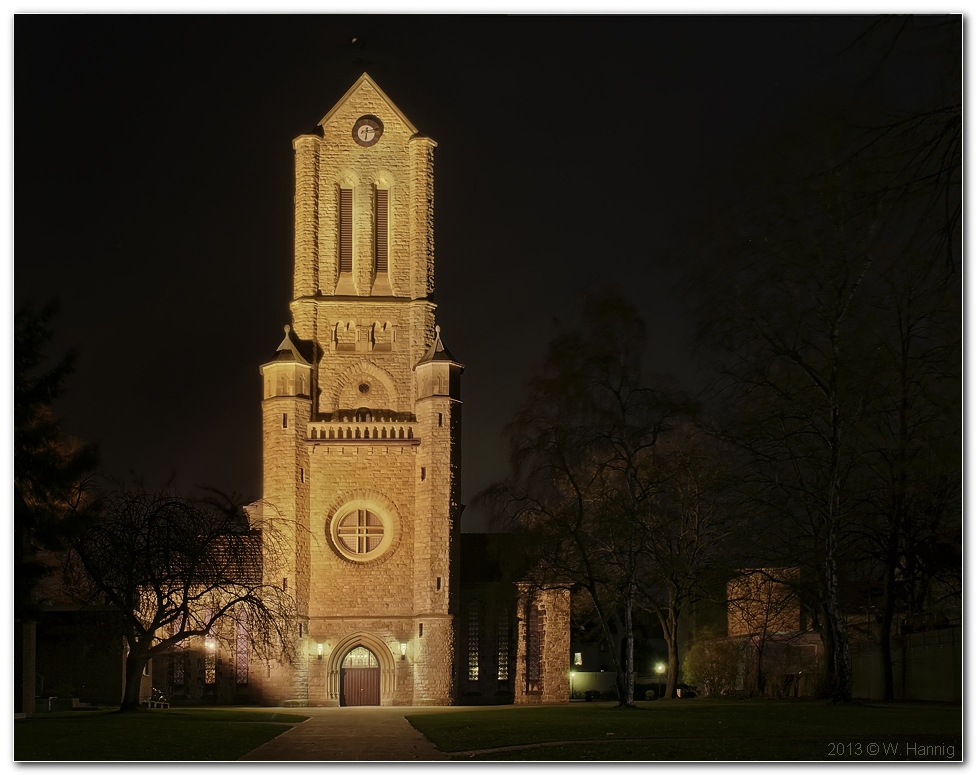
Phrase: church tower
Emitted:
{"points": [[362, 422]]}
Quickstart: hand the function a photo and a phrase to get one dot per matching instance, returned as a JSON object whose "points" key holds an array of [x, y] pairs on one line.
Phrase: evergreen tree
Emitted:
{"points": [[50, 469]]}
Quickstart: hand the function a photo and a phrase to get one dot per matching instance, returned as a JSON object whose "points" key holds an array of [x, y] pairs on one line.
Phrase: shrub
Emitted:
{"points": [[714, 666]]}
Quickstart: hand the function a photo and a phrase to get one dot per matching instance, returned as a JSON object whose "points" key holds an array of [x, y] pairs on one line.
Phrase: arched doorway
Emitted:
{"points": [[360, 678]]}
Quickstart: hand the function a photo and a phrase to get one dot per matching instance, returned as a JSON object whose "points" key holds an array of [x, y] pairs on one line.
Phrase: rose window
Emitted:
{"points": [[361, 532]]}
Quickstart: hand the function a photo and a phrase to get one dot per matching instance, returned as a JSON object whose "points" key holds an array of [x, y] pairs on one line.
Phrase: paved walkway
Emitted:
{"points": [[354, 734]]}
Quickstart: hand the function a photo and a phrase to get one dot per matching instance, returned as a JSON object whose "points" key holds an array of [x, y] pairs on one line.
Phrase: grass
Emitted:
{"points": [[184, 734], [701, 730]]}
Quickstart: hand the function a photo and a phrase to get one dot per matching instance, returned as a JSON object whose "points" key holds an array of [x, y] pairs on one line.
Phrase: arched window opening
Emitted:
{"points": [[474, 642], [209, 655], [503, 646], [243, 648], [533, 651], [360, 657]]}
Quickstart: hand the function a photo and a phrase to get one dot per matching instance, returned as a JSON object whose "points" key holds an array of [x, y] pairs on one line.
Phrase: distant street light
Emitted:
{"points": [[660, 669]]}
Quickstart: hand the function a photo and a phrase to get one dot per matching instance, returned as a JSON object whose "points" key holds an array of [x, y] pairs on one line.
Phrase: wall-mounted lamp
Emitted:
{"points": [[319, 649], [403, 650]]}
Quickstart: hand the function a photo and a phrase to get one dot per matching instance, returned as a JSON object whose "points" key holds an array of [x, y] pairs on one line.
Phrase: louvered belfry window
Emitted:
{"points": [[345, 230], [382, 230]]}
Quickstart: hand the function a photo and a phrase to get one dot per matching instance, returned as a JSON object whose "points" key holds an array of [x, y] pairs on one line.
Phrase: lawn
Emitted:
{"points": [[702, 730], [151, 735]]}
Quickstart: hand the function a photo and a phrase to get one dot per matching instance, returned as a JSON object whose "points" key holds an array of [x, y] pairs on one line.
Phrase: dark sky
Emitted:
{"points": [[154, 183]]}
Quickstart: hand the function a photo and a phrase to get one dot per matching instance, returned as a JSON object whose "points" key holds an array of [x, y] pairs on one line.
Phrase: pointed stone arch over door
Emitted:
{"points": [[384, 657]]}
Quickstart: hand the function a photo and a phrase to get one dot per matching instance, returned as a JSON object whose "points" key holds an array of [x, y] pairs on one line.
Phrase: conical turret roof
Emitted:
{"points": [[437, 351], [287, 352]]}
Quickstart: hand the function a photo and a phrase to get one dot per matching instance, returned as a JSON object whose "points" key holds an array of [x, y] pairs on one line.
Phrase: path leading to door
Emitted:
{"points": [[354, 734]]}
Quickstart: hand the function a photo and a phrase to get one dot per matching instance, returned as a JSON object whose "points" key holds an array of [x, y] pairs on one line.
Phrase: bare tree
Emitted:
{"points": [[175, 568], [580, 477], [688, 527], [838, 328], [906, 169], [764, 605], [786, 312]]}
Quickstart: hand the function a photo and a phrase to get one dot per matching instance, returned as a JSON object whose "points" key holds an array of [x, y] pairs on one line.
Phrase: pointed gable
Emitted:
{"points": [[365, 97]]}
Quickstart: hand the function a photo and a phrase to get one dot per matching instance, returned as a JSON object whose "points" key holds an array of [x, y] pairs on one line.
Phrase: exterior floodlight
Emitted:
{"points": [[320, 650]]}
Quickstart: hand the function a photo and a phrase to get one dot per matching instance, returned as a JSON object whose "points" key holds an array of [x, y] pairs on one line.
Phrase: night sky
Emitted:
{"points": [[154, 183]]}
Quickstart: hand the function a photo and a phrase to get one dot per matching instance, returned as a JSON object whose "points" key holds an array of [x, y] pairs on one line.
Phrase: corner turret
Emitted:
{"points": [[438, 373]]}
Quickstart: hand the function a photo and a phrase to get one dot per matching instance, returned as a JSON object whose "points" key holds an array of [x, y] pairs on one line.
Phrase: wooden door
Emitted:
{"points": [[360, 686], [360, 678]]}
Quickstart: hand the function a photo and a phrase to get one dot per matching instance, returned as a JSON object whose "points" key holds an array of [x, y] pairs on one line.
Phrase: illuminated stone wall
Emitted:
{"points": [[761, 601], [546, 640]]}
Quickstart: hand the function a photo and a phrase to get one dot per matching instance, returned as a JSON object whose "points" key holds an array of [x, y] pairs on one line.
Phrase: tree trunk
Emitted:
{"points": [[25, 662], [827, 638], [627, 690], [134, 665], [760, 668], [842, 651], [672, 636], [884, 637]]}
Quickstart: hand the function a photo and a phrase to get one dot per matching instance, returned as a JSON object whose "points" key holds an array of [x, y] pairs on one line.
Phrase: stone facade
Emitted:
{"points": [[362, 418], [542, 661], [762, 601]]}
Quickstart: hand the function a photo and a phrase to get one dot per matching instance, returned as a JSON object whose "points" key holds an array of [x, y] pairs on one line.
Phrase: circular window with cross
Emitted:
{"points": [[361, 533]]}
